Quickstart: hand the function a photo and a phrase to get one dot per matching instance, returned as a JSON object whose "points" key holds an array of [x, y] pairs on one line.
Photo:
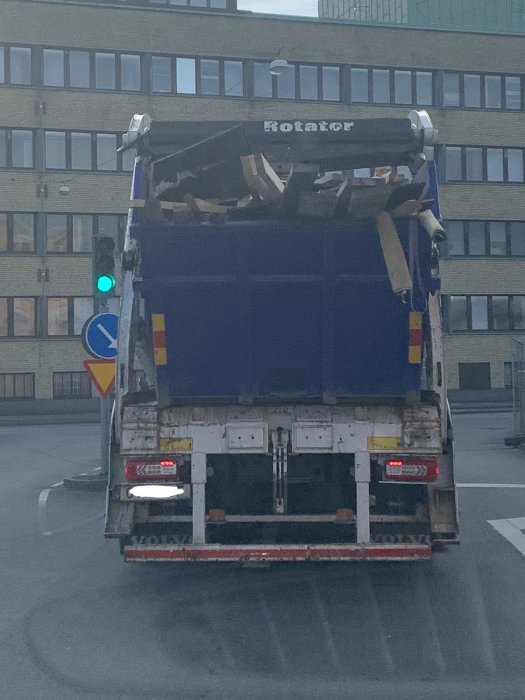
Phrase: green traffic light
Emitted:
{"points": [[105, 283]]}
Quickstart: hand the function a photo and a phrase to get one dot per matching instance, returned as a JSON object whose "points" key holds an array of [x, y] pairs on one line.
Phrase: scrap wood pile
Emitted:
{"points": [[218, 179]]}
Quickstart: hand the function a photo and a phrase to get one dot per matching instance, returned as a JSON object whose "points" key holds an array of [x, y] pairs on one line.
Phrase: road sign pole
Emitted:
{"points": [[105, 418]]}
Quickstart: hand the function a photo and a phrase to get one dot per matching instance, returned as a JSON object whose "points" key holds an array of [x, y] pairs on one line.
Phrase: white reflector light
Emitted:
{"points": [[155, 491]]}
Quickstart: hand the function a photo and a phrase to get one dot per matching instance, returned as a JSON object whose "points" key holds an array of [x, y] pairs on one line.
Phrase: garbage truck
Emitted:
{"points": [[280, 386]]}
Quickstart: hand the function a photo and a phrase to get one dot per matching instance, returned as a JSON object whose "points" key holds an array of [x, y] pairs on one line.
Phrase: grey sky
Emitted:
{"points": [[305, 8]]}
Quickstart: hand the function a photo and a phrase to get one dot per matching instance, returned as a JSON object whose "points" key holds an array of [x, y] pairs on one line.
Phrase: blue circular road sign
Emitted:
{"points": [[99, 336]]}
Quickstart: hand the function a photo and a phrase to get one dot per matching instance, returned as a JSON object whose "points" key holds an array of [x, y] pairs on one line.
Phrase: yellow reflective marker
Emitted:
{"points": [[175, 444], [376, 443]]}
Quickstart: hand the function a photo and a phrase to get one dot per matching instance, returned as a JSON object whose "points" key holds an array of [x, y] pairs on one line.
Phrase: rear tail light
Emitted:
{"points": [[153, 470], [400, 469]]}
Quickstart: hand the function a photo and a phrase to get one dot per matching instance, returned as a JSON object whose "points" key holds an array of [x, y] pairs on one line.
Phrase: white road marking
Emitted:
{"points": [[511, 529], [42, 503], [490, 486]]}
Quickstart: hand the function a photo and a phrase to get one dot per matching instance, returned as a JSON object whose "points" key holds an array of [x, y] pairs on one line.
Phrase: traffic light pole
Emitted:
{"points": [[105, 418]]}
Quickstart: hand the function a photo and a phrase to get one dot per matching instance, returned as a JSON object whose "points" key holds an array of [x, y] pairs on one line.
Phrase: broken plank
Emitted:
{"points": [[261, 178], [302, 177]]}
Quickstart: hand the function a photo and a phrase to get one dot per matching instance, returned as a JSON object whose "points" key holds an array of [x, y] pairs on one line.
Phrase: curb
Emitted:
{"points": [[86, 482]]}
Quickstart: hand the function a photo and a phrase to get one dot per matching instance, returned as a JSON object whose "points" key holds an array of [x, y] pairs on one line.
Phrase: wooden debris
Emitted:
{"points": [[261, 178], [393, 253], [301, 179], [329, 181], [367, 202], [317, 205]]}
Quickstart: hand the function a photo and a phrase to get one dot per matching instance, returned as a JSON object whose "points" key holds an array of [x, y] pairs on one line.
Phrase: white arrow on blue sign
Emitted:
{"points": [[99, 336]]}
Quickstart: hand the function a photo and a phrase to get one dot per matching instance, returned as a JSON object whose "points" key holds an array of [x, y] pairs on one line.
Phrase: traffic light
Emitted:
{"points": [[104, 282]]}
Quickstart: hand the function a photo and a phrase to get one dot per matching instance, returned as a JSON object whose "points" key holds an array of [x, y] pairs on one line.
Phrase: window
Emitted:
{"points": [[57, 316], [81, 153], [79, 69], [472, 90], [20, 65], [518, 312], [21, 148], [517, 238], [186, 76], [308, 83], [512, 92], [380, 86], [458, 313], [474, 375], [2, 64], [286, 84], [455, 238], [56, 229], [130, 78], [403, 87], [262, 80], [451, 90], [22, 233], [359, 85], [82, 233], [3, 148], [479, 163], [17, 233], [53, 60], [500, 313], [514, 158], [3, 232], [71, 385], [424, 90], [497, 238], [161, 79], [493, 91], [66, 315], [4, 317], [106, 151], [479, 316], [453, 163], [233, 78], [476, 238], [474, 164], [55, 150], [105, 71], [331, 83], [22, 316], [20, 385], [495, 164], [209, 77]]}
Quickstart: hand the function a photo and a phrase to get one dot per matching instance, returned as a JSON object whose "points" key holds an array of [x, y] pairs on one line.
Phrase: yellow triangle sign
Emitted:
{"points": [[102, 373]]}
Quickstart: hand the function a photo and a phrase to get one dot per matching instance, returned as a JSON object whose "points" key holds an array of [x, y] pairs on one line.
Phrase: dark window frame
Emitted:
{"points": [[70, 316], [442, 155], [10, 249], [11, 320], [30, 395], [87, 394], [490, 314]]}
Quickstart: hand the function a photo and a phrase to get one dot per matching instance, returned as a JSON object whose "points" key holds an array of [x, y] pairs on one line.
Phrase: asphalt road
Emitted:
{"points": [[79, 623]]}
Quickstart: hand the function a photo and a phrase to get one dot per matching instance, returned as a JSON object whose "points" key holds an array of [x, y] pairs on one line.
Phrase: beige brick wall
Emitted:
{"points": [[243, 36], [43, 357], [496, 349], [483, 276]]}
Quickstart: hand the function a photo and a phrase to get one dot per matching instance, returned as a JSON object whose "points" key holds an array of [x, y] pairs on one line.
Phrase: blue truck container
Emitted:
{"points": [[274, 310]]}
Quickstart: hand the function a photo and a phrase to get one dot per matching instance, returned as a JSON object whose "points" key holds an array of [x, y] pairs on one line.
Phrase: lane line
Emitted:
{"points": [[490, 486], [511, 530]]}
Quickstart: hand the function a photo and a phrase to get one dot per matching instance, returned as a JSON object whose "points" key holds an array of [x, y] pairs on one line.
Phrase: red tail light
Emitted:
{"points": [[152, 469], [400, 469]]}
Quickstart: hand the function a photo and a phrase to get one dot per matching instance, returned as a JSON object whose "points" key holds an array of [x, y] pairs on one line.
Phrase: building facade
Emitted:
{"points": [[71, 79]]}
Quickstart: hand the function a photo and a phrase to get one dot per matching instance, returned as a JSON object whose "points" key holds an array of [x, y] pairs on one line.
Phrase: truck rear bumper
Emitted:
{"points": [[269, 553]]}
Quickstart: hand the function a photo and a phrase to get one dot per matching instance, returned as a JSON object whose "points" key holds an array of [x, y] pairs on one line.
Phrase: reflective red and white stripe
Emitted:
{"points": [[242, 553]]}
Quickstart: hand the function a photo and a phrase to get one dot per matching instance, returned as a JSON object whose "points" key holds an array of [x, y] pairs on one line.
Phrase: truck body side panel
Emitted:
{"points": [[271, 312]]}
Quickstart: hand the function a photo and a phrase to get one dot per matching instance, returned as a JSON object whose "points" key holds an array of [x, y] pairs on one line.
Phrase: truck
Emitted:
{"points": [[280, 386]]}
